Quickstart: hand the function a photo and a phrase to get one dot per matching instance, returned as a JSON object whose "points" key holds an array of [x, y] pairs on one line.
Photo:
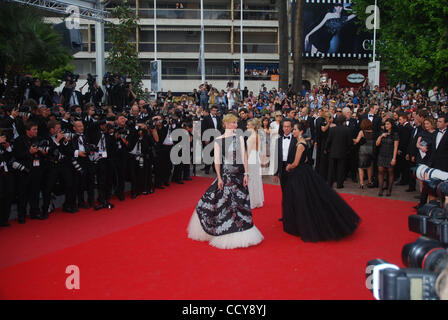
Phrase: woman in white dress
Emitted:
{"points": [[223, 215], [254, 165]]}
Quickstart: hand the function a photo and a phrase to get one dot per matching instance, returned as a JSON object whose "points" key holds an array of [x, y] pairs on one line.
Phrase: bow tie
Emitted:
{"points": [[288, 137]]}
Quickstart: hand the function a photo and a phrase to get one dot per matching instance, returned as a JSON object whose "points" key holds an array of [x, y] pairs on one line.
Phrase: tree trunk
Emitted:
{"points": [[298, 46], [282, 8]]}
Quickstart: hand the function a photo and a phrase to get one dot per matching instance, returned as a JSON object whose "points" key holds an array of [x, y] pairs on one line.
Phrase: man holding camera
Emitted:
{"points": [[58, 168], [29, 171], [102, 149], [6, 177], [84, 173], [121, 155]]}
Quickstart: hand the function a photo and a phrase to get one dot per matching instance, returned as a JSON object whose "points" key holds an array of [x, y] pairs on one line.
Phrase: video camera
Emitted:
{"points": [[70, 77]]}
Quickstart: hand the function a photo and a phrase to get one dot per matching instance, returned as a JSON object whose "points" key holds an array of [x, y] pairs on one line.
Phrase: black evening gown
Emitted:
{"points": [[224, 217], [312, 210]]}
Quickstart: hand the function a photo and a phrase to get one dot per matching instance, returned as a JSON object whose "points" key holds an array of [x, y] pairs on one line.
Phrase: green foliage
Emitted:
{"points": [[27, 44], [412, 39], [123, 56]]}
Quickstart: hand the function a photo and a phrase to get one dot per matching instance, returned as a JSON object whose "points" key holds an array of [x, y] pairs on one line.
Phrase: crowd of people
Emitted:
{"points": [[73, 143]]}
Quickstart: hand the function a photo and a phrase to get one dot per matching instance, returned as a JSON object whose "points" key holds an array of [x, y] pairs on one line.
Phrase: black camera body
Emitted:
{"points": [[430, 221], [70, 77]]}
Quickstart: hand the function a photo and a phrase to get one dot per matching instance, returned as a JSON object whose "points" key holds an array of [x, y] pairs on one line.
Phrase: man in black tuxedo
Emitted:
{"points": [[304, 116], [373, 116], [338, 146], [439, 154], [84, 171], [101, 159], [352, 160], [286, 152], [70, 96], [212, 121], [411, 151], [404, 132], [29, 178], [242, 122], [58, 168]]}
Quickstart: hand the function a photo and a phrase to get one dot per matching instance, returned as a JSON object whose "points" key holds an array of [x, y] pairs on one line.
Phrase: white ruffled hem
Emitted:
{"points": [[243, 239]]}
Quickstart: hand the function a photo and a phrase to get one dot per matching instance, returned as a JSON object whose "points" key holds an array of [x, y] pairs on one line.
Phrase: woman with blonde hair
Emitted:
{"points": [[223, 215], [255, 182]]}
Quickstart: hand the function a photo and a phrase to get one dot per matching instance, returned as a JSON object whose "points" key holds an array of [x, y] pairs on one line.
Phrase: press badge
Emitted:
{"points": [[36, 163]]}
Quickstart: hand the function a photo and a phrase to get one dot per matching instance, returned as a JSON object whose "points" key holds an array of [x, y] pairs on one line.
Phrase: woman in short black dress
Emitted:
{"points": [[387, 155]]}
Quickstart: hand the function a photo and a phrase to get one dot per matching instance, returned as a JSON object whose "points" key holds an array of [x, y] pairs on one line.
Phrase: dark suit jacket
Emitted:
{"points": [[339, 142], [291, 155], [376, 124], [207, 123], [412, 147], [404, 133], [439, 156]]}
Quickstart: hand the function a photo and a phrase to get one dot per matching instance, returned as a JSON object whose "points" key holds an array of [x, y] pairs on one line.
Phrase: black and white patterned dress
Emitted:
{"points": [[224, 217]]}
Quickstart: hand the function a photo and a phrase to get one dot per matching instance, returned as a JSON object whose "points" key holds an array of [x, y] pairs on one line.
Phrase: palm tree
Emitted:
{"points": [[27, 43], [298, 46], [282, 9]]}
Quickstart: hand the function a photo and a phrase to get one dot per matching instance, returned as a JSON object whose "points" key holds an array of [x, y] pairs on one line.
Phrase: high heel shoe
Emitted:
{"points": [[361, 186], [380, 193], [389, 193]]}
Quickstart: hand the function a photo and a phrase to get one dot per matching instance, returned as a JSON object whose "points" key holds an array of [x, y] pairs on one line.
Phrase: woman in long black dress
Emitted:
{"points": [[312, 210], [223, 216]]}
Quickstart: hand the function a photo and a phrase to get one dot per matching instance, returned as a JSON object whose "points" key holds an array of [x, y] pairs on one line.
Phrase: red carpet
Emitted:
{"points": [[140, 250]]}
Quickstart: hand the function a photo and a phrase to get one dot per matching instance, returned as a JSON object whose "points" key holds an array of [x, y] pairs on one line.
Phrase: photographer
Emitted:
{"points": [[118, 94], [70, 96], [102, 147], [120, 157], [6, 177], [13, 121], [95, 94], [58, 168], [84, 172], [139, 142], [28, 159]]}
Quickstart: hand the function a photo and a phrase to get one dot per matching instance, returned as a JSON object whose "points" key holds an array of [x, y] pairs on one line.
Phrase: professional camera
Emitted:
{"points": [[140, 160], [91, 80], [91, 148], [77, 166], [70, 77], [43, 146], [425, 260], [69, 135], [24, 111], [8, 133], [18, 166], [436, 187], [423, 172]]}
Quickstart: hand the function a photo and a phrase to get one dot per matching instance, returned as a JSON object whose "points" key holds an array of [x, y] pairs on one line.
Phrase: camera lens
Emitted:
{"points": [[424, 254]]}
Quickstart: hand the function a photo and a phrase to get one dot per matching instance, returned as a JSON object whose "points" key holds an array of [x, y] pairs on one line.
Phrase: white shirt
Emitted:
{"points": [[439, 137], [168, 141], [285, 146], [215, 122]]}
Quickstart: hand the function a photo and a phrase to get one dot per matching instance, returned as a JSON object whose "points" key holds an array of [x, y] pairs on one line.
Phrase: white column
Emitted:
{"points": [[155, 29], [241, 48], [202, 44]]}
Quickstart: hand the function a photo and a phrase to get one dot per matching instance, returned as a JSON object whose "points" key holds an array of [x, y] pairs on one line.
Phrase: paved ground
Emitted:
{"points": [[398, 192]]}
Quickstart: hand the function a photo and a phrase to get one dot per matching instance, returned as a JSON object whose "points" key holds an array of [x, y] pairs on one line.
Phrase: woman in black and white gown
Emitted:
{"points": [[223, 215]]}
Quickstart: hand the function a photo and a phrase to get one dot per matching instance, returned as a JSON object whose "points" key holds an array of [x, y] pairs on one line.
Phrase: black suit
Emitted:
{"points": [[403, 165], [439, 154], [207, 123], [84, 179], [281, 165], [338, 147], [376, 124], [412, 152], [29, 183], [58, 168], [352, 161], [103, 165]]}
